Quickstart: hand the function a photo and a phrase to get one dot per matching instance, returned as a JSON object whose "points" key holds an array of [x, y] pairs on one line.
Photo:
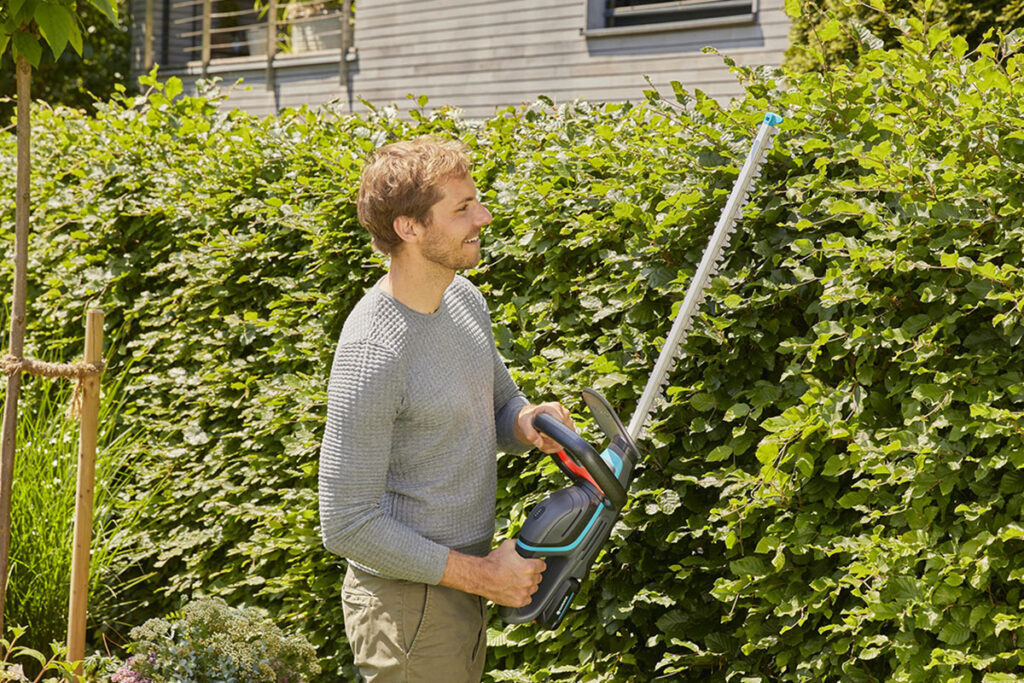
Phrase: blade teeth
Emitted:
{"points": [[761, 153]]}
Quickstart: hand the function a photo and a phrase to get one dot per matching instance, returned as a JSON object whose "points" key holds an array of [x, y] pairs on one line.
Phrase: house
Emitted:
{"points": [[473, 54]]}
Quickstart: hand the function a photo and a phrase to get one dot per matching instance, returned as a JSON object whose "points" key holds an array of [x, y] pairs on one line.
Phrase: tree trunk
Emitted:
{"points": [[17, 345]]}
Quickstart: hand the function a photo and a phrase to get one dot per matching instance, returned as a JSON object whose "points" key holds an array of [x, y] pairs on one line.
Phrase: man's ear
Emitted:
{"points": [[407, 229]]}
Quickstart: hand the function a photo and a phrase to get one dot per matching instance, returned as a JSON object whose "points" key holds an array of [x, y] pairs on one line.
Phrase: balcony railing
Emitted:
{"points": [[197, 33]]}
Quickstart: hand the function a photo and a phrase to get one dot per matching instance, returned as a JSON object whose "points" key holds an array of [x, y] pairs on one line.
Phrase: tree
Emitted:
{"points": [[72, 80], [23, 25], [835, 27]]}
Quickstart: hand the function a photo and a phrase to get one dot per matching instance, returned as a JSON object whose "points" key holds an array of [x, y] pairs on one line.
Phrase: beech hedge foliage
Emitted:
{"points": [[833, 490]]}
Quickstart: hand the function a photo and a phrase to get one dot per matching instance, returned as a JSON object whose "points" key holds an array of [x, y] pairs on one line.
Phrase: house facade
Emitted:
{"points": [[477, 55]]}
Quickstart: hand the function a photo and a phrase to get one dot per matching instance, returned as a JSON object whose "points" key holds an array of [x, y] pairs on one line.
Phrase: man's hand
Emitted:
{"points": [[503, 577], [526, 434]]}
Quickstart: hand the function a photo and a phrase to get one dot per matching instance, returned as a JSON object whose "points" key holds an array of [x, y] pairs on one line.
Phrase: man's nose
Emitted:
{"points": [[484, 216]]}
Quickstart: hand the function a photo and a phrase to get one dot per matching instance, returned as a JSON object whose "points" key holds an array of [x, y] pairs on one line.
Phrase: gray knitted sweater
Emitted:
{"points": [[417, 406]]}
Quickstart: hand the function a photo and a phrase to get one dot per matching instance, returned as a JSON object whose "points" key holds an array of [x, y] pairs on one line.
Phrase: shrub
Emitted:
{"points": [[214, 643], [825, 34]]}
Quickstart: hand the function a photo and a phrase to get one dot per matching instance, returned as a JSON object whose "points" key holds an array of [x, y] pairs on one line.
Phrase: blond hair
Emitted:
{"points": [[404, 179]]}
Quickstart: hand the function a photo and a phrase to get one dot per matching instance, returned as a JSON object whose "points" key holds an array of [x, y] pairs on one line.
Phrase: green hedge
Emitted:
{"points": [[832, 492]]}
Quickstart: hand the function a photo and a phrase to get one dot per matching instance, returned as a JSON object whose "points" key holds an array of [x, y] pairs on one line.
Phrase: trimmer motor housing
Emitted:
{"points": [[568, 528]]}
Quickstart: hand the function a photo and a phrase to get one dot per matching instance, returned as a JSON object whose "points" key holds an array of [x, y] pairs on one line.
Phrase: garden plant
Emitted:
{"points": [[211, 642], [43, 514], [833, 489]]}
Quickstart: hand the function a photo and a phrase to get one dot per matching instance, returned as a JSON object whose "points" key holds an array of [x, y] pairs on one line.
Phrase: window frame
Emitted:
{"points": [[595, 21]]}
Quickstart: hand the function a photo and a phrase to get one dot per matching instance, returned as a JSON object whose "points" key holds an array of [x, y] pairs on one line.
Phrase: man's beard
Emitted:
{"points": [[449, 253]]}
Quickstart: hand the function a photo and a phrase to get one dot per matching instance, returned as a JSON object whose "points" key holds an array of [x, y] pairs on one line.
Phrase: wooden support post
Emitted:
{"points": [[206, 35], [271, 42], [18, 319], [78, 601], [346, 41], [148, 58]]}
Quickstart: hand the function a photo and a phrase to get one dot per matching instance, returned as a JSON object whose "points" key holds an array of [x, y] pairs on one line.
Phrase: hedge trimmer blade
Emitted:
{"points": [[709, 263]]}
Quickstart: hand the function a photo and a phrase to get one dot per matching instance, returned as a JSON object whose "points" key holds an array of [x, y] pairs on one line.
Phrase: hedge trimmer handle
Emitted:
{"points": [[582, 463]]}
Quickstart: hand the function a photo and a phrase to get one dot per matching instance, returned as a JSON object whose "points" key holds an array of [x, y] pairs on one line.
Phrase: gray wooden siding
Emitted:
{"points": [[483, 54]]}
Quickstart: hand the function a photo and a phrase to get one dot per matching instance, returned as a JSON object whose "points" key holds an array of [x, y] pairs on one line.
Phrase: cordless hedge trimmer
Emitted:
{"points": [[568, 528]]}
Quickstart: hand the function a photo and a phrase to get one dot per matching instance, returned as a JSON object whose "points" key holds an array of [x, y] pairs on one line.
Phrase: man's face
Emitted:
{"points": [[452, 236]]}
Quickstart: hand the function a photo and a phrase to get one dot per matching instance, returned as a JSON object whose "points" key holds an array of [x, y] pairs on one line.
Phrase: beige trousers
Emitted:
{"points": [[405, 632]]}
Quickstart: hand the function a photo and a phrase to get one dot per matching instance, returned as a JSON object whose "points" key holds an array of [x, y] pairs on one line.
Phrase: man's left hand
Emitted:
{"points": [[526, 433]]}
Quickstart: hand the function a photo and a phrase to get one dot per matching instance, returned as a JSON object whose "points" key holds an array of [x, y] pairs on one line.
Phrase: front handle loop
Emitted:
{"points": [[585, 456]]}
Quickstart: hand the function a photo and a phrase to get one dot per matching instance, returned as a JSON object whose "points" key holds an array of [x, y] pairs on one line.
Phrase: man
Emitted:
{"points": [[419, 401]]}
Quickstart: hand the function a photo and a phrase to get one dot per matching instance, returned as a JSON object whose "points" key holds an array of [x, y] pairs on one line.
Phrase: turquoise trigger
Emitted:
{"points": [[772, 119], [612, 459]]}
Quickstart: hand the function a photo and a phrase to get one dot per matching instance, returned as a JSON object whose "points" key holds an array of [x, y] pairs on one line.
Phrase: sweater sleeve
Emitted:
{"points": [[364, 397], [508, 401]]}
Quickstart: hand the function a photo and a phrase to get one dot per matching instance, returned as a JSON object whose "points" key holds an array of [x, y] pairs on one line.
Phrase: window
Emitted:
{"points": [[629, 16]]}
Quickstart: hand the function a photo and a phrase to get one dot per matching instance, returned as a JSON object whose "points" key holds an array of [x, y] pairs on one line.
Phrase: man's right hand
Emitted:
{"points": [[516, 578], [504, 577]]}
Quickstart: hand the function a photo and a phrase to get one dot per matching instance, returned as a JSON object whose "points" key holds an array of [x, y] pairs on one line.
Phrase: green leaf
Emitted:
{"points": [[30, 652], [805, 464], [736, 411], [174, 87], [954, 633], [610, 379], [27, 46], [843, 206], [668, 501], [55, 23], [108, 8], [767, 451], [929, 392], [75, 38], [830, 30], [959, 46], [794, 9], [978, 612], [904, 589], [702, 402], [719, 453], [749, 566]]}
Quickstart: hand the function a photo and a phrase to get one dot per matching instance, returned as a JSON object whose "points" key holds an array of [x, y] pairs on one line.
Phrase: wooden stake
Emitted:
{"points": [[148, 54], [17, 339], [205, 46], [86, 478]]}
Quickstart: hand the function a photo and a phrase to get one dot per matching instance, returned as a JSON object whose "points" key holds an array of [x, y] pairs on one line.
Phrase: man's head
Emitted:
{"points": [[406, 179]]}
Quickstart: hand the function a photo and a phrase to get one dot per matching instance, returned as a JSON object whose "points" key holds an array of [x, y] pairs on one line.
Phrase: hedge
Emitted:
{"points": [[831, 491]]}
